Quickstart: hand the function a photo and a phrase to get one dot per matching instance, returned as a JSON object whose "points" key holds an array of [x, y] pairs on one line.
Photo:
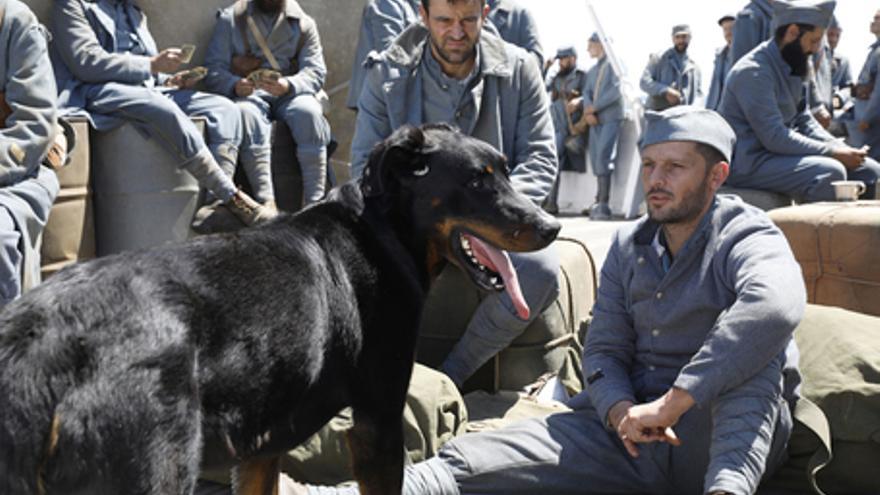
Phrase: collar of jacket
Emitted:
{"points": [[645, 233], [764, 7], [292, 10], [408, 48]]}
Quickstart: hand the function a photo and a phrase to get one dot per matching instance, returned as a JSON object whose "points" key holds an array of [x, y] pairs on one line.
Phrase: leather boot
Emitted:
{"points": [[601, 210], [249, 211]]}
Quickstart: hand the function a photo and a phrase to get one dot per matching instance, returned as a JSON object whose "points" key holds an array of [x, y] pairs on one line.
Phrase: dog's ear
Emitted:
{"points": [[401, 155]]}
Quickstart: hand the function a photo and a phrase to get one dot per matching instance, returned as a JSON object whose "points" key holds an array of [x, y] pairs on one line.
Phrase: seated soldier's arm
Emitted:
{"points": [[85, 57], [30, 93], [533, 165], [372, 124], [756, 264], [648, 82], [218, 58], [310, 59]]}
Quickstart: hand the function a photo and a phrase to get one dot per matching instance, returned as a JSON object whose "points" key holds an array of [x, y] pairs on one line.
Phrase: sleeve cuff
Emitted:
{"points": [[140, 67]]}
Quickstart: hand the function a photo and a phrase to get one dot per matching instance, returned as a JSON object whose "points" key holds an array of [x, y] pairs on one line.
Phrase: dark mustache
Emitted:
{"points": [[659, 190]]}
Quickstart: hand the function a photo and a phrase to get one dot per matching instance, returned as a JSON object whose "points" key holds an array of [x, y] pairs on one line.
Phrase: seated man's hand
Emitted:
{"points": [[275, 88], [244, 88], [653, 422], [179, 81], [673, 96], [851, 158], [823, 117], [166, 62], [573, 105]]}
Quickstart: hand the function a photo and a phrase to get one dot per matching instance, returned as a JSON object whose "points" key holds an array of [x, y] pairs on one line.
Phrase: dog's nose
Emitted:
{"points": [[549, 228]]}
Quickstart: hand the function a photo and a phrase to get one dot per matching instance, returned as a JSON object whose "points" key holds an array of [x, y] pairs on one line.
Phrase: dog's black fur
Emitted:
{"points": [[113, 371]]}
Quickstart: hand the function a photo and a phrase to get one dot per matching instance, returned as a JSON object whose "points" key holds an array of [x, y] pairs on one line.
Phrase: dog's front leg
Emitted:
{"points": [[257, 477], [377, 455]]}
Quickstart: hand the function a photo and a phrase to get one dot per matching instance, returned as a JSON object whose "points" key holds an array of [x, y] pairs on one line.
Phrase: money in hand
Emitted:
{"points": [[264, 75], [186, 53]]}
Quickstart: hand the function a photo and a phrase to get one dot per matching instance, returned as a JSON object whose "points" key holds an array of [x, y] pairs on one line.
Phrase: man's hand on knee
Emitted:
{"points": [[653, 422]]}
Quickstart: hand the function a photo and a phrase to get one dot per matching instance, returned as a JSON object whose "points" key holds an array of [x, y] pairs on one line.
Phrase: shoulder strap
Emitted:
{"points": [[264, 46], [239, 15], [599, 80]]}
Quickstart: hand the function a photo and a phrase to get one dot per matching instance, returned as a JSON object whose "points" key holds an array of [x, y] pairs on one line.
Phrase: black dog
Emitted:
{"points": [[116, 372]]}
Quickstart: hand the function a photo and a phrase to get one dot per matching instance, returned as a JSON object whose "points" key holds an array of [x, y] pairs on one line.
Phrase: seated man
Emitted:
{"points": [[685, 356], [780, 145], [567, 114], [107, 64], [449, 69], [27, 130], [672, 78], [276, 35]]}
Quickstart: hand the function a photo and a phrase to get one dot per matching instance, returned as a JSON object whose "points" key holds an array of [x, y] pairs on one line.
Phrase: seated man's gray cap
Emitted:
{"points": [[681, 29], [813, 12], [689, 123], [566, 51]]}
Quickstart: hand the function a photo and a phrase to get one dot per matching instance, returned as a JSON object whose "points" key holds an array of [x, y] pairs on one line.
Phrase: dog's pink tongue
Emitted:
{"points": [[498, 261]]}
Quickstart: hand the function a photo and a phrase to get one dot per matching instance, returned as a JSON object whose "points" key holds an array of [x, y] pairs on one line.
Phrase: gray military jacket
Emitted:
{"points": [[719, 75], [511, 106], [602, 90], [766, 106], [381, 22], [516, 25], [869, 75], [753, 26], [666, 71], [295, 45], [724, 311]]}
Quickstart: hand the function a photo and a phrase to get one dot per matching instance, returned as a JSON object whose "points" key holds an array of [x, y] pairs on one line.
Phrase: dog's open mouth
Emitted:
{"points": [[490, 269]]}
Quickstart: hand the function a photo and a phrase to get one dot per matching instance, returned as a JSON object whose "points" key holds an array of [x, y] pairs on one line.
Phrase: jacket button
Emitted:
{"points": [[655, 332], [659, 295], [641, 260]]}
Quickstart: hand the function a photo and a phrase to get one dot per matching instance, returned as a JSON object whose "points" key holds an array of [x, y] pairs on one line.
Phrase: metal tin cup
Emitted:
{"points": [[848, 190]]}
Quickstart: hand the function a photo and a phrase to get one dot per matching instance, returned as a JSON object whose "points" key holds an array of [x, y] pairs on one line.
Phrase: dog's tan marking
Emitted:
{"points": [[435, 202], [490, 169], [257, 477], [51, 445]]}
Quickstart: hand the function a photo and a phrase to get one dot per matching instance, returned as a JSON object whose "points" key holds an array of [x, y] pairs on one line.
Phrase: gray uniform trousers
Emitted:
{"points": [[495, 323], [603, 147], [724, 447], [310, 130], [164, 115]]}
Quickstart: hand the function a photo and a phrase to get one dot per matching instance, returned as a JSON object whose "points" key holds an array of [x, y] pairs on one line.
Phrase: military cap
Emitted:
{"points": [[725, 18], [688, 123], [681, 29], [812, 12], [834, 24], [595, 37], [566, 51]]}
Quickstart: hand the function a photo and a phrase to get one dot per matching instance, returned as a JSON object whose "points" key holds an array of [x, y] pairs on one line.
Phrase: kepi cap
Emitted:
{"points": [[681, 29], [595, 37], [689, 123], [812, 12], [566, 51], [726, 17]]}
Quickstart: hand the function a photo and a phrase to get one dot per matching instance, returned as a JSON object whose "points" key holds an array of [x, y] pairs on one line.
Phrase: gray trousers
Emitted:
{"points": [[805, 178], [495, 323], [603, 147], [310, 131], [726, 446]]}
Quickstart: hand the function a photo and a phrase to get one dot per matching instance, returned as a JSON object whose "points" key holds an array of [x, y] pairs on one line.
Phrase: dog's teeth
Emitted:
{"points": [[494, 280], [482, 268], [464, 242]]}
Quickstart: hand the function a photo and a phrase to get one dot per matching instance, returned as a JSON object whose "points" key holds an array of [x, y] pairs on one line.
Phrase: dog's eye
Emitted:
{"points": [[476, 182]]}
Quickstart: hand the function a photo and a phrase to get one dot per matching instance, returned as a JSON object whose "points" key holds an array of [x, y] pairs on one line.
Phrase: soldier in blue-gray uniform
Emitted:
{"points": [[672, 78], [516, 25], [753, 26], [27, 130], [604, 110], [107, 63], [451, 70], [689, 382], [381, 22], [841, 73], [566, 87], [723, 63], [277, 35], [780, 145], [867, 111]]}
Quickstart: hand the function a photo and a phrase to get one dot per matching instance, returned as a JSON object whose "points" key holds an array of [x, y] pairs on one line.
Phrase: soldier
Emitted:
{"points": [[381, 22], [107, 64], [780, 145], [449, 69], [841, 73], [689, 385], [672, 78], [516, 25], [723, 63], [566, 111], [868, 97], [277, 36], [604, 110], [27, 130]]}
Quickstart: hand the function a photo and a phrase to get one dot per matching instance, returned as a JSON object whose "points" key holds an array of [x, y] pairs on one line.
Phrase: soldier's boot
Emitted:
{"points": [[601, 210], [249, 211], [314, 175]]}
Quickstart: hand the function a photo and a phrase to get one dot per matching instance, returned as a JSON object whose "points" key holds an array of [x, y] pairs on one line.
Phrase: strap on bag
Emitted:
{"points": [[811, 416]]}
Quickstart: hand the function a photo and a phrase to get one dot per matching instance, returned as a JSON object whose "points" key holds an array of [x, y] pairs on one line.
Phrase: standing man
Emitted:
{"points": [[841, 73], [27, 130], [566, 110], [449, 69], [275, 35], [516, 25], [780, 145], [108, 65], [672, 78], [868, 97], [604, 110], [723, 63], [381, 22], [753, 26], [684, 359]]}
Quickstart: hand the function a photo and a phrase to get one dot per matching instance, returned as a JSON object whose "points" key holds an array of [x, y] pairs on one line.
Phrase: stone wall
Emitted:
{"points": [[174, 22]]}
